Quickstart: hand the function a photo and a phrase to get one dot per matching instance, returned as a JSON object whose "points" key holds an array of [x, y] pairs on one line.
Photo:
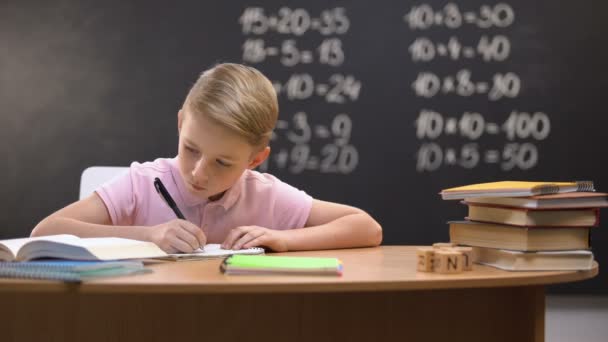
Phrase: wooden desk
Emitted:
{"points": [[381, 297]]}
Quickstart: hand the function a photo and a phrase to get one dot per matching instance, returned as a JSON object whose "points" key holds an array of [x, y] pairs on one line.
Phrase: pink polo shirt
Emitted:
{"points": [[255, 199]]}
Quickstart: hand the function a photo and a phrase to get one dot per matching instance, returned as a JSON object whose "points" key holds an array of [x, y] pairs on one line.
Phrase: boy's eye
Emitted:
{"points": [[191, 150], [222, 163]]}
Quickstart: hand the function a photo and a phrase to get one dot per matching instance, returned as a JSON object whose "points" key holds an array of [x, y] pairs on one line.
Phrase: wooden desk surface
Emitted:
{"points": [[384, 268]]}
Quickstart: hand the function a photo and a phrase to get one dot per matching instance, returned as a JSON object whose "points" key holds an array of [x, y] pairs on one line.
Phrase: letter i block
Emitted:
{"points": [[425, 259], [448, 262], [467, 254]]}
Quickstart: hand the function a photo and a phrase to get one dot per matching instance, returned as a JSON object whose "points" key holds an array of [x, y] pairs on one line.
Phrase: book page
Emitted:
{"points": [[112, 248], [15, 244], [108, 248], [214, 250]]}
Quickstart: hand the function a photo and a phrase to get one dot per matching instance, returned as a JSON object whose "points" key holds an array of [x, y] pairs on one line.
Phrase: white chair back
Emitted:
{"points": [[94, 176]]}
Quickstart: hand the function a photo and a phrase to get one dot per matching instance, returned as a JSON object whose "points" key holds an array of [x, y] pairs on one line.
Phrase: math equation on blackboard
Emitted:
{"points": [[508, 139]]}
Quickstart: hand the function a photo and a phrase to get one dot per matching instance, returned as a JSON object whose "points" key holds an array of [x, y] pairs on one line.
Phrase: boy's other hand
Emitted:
{"points": [[255, 236], [177, 236]]}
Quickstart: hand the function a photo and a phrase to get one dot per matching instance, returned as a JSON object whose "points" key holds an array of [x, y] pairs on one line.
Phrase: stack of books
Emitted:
{"points": [[528, 226]]}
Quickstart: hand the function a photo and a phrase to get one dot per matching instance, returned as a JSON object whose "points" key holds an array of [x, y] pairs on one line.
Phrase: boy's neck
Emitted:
{"points": [[217, 196]]}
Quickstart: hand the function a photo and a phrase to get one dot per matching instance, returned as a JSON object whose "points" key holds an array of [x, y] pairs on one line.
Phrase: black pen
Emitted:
{"points": [[162, 191]]}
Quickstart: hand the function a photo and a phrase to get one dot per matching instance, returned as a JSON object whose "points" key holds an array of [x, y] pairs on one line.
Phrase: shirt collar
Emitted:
{"points": [[227, 201]]}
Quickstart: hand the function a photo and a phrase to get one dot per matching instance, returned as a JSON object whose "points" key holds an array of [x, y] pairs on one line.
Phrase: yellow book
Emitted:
{"points": [[514, 189]]}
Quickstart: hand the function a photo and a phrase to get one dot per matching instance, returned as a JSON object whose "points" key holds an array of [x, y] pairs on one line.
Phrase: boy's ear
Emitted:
{"points": [[259, 157], [180, 120]]}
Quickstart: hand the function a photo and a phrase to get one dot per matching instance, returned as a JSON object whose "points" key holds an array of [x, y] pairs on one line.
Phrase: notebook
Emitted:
{"points": [[70, 271], [266, 264], [213, 250], [514, 189], [67, 246]]}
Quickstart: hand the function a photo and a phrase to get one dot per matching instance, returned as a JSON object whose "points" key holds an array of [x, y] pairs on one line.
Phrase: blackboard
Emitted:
{"points": [[383, 103]]}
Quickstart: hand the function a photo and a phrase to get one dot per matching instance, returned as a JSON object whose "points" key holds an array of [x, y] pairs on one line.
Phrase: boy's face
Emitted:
{"points": [[211, 157]]}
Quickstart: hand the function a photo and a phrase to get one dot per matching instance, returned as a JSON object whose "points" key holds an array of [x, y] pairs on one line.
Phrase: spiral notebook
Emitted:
{"points": [[515, 189], [212, 250], [70, 271]]}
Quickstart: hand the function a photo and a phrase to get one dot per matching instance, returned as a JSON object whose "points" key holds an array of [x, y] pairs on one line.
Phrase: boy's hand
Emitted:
{"points": [[177, 236], [255, 236]]}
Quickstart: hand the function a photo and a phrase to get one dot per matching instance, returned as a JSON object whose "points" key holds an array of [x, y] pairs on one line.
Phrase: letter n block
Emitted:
{"points": [[448, 262]]}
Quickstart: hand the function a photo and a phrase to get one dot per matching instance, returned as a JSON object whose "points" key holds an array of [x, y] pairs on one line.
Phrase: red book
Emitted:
{"points": [[556, 201]]}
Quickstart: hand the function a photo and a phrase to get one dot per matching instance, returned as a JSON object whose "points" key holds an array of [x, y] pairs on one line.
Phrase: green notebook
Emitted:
{"points": [[267, 264]]}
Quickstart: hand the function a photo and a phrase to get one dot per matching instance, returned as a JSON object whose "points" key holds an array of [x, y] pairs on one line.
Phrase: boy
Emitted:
{"points": [[224, 128]]}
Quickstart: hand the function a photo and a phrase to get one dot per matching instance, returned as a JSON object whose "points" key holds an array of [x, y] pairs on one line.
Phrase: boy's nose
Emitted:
{"points": [[199, 172]]}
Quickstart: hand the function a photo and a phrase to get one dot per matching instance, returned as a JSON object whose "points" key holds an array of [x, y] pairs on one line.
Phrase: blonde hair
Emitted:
{"points": [[237, 97]]}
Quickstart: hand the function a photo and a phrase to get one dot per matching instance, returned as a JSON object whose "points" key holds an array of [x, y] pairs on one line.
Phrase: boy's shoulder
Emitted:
{"points": [[152, 168], [261, 189], [264, 182], [253, 177]]}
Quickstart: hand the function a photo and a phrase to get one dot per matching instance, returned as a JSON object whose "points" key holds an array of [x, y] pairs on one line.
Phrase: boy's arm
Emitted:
{"points": [[332, 225], [85, 218], [329, 226], [90, 218]]}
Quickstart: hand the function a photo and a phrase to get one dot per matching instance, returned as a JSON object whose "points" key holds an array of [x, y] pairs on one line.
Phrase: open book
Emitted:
{"points": [[71, 247], [514, 189], [74, 248]]}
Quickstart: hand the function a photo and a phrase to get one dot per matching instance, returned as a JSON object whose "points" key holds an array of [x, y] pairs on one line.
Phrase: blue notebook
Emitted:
{"points": [[69, 270]]}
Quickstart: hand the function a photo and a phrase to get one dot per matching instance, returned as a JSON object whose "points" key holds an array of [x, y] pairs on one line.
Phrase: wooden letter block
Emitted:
{"points": [[441, 245], [425, 259], [448, 261], [467, 254]]}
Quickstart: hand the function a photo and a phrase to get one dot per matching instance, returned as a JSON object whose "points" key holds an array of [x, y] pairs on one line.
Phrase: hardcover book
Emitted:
{"points": [[553, 201], [534, 217], [534, 261], [518, 238]]}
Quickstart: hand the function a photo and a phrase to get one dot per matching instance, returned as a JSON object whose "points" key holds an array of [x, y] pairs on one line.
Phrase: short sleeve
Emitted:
{"points": [[291, 207], [118, 196]]}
